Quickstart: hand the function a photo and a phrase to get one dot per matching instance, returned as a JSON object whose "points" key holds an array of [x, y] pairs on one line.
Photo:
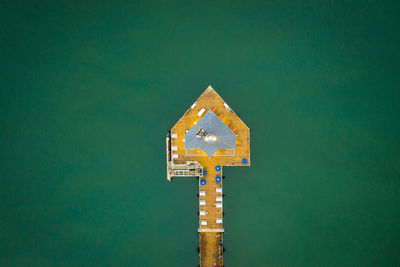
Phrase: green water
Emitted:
{"points": [[90, 89]]}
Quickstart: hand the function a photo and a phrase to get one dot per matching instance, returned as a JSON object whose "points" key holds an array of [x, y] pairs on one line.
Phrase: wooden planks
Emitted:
{"points": [[209, 100]]}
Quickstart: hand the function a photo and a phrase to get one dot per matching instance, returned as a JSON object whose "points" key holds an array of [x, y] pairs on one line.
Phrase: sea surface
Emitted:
{"points": [[89, 90]]}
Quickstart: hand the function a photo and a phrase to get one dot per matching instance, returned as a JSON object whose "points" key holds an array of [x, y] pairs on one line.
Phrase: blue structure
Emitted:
{"points": [[203, 181], [204, 172], [218, 179], [244, 160], [217, 168]]}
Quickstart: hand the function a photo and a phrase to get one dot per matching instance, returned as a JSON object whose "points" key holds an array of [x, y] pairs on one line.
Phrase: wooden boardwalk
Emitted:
{"points": [[210, 195]]}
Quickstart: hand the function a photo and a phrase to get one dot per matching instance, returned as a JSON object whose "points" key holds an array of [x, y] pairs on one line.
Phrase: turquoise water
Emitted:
{"points": [[89, 91]]}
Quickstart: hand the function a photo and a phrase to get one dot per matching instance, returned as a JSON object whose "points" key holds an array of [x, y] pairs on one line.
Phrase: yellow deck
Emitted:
{"points": [[210, 236]]}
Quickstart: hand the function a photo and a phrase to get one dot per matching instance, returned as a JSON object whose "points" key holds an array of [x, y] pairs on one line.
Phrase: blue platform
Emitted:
{"points": [[203, 182], [244, 160], [218, 179], [217, 168]]}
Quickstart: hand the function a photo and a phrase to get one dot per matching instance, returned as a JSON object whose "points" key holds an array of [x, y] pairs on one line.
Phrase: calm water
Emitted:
{"points": [[89, 91]]}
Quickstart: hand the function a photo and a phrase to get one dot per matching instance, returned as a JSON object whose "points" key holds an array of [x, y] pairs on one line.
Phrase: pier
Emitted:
{"points": [[207, 137]]}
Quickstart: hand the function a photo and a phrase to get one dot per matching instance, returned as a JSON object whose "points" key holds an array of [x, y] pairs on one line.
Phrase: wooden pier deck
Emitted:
{"points": [[211, 234]]}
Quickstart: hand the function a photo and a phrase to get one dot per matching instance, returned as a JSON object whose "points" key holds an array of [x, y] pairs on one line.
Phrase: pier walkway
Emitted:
{"points": [[215, 137], [211, 235]]}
